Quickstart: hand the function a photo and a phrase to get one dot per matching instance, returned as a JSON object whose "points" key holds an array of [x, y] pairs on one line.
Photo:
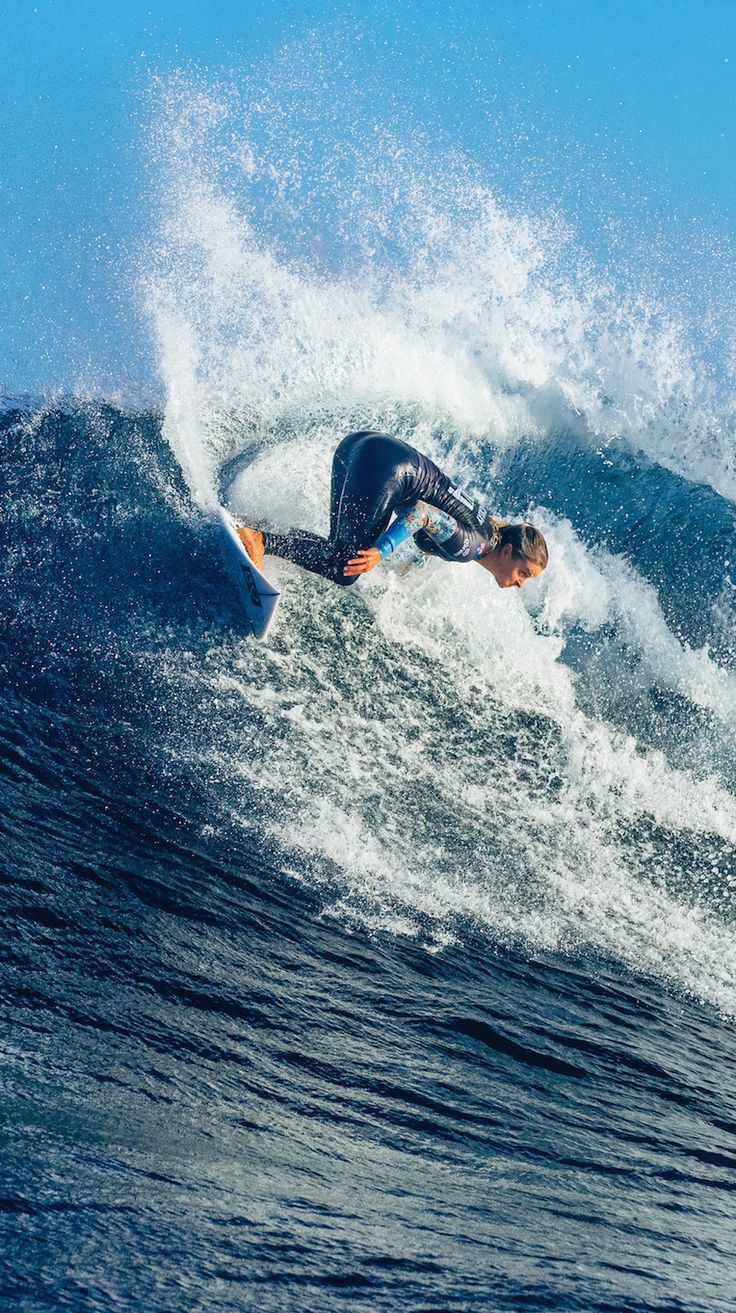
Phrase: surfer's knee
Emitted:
{"points": [[340, 556]]}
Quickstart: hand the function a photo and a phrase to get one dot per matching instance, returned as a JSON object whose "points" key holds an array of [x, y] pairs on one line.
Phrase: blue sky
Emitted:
{"points": [[625, 106]]}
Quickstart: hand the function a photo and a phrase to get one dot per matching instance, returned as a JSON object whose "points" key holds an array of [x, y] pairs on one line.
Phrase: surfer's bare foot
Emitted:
{"points": [[252, 540]]}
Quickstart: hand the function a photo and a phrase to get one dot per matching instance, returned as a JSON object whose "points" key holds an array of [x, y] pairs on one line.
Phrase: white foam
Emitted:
{"points": [[423, 795], [485, 317], [593, 588]]}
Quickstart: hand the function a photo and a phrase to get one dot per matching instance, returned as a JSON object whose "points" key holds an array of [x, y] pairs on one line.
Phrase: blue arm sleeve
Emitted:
{"points": [[398, 532], [438, 524]]}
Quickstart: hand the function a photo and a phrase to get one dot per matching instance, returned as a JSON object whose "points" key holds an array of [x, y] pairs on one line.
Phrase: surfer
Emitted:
{"points": [[375, 477]]}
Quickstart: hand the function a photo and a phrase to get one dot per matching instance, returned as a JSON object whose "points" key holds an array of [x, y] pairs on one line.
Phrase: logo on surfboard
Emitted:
{"points": [[250, 582]]}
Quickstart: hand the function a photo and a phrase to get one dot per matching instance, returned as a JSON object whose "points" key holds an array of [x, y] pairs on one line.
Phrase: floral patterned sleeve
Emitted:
{"points": [[438, 524]]}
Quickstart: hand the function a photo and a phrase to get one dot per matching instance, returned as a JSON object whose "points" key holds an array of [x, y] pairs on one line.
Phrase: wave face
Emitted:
{"points": [[392, 963]]}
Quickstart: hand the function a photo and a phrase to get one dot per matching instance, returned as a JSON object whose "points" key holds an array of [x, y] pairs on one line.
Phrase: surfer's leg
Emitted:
{"points": [[309, 551]]}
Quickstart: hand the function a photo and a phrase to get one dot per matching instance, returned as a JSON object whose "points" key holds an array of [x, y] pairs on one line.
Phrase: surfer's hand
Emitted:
{"points": [[363, 562]]}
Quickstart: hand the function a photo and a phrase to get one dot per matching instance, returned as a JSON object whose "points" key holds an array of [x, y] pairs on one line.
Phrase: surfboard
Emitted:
{"points": [[258, 596]]}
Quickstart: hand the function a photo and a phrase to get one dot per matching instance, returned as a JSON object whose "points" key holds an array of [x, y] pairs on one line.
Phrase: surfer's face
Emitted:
{"points": [[508, 570]]}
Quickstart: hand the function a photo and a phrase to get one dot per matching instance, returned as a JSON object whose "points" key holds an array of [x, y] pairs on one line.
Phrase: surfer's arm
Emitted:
{"points": [[407, 524], [438, 524]]}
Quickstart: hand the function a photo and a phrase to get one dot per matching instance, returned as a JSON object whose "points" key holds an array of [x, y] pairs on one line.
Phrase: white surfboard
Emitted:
{"points": [[259, 597]]}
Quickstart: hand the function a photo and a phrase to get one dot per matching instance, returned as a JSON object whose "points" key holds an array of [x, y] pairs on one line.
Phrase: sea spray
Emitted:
{"points": [[565, 774]]}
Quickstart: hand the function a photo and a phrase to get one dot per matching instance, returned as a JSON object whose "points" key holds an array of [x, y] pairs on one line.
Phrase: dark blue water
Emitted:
{"points": [[283, 1033]]}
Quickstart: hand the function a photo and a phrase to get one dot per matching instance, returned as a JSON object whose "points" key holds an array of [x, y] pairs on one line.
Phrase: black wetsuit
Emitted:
{"points": [[373, 477]]}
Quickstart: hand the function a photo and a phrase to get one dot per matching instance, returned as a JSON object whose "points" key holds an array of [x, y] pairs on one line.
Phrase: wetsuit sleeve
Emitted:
{"points": [[438, 525]]}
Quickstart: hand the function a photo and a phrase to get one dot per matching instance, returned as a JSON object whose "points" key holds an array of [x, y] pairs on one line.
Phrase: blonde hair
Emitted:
{"points": [[527, 543]]}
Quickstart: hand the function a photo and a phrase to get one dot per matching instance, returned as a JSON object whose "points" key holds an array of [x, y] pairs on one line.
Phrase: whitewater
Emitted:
{"points": [[391, 963]]}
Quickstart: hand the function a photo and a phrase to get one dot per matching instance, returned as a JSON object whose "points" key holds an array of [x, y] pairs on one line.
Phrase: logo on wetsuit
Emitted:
{"points": [[462, 497], [472, 505]]}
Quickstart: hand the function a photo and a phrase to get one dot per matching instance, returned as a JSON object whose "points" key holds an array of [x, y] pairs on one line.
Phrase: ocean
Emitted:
{"points": [[389, 964]]}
